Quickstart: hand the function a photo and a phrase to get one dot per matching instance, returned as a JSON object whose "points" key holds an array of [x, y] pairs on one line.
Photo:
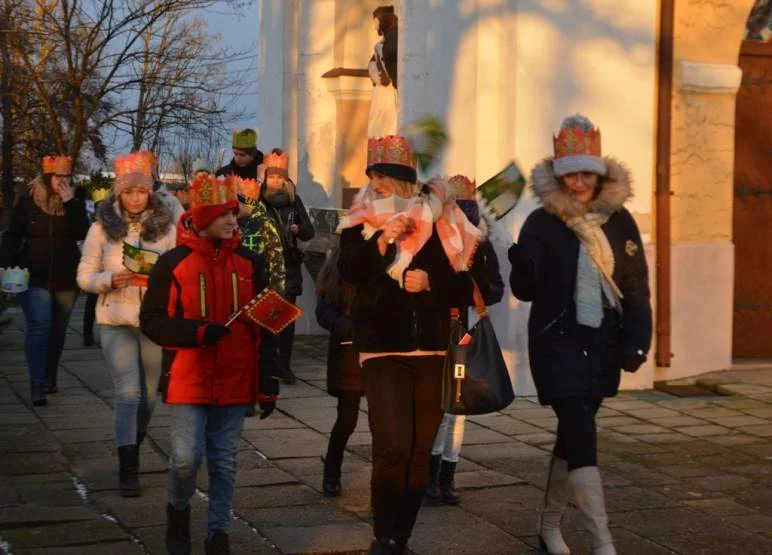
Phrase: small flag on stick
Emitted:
{"points": [[269, 310]]}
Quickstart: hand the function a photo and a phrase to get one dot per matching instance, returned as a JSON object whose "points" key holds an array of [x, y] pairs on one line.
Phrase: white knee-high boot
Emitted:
{"points": [[555, 500], [587, 487]]}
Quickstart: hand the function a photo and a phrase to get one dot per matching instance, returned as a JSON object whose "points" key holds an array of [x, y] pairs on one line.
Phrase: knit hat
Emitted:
{"points": [[393, 156], [58, 165], [133, 170], [211, 197], [244, 139], [276, 162], [577, 147]]}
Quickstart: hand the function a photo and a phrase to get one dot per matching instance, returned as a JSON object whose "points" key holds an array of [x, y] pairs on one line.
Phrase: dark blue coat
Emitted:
{"points": [[568, 359]]}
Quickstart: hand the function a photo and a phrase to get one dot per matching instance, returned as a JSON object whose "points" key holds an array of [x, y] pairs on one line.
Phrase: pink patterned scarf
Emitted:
{"points": [[459, 237]]}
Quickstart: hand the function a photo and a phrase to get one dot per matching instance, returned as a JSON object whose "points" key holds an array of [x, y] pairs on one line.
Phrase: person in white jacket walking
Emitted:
{"points": [[138, 217]]}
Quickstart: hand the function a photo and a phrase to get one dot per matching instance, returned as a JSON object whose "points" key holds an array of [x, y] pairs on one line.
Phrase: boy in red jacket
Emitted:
{"points": [[212, 372]]}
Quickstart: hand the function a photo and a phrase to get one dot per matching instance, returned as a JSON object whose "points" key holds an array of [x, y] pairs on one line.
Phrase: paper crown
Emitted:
{"points": [[98, 195], [58, 165], [277, 160], [208, 190], [463, 187], [249, 188], [244, 139], [574, 141], [136, 162], [392, 149], [15, 280]]}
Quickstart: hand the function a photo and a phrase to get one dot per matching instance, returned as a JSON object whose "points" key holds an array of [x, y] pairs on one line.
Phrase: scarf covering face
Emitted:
{"points": [[436, 207]]}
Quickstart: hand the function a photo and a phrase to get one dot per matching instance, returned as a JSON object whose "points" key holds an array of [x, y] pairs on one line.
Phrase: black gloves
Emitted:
{"points": [[214, 332], [518, 258], [266, 408], [632, 359]]}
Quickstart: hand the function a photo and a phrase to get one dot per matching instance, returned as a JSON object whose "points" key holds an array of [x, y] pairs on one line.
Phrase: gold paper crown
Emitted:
{"points": [[277, 160], [392, 149], [15, 280], [465, 188], [249, 188], [208, 190], [574, 141], [244, 139], [136, 162], [98, 195], [58, 165]]}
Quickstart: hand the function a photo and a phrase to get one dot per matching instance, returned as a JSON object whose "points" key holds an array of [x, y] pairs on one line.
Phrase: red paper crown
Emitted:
{"points": [[573, 141], [136, 162], [392, 149], [249, 188], [208, 190], [463, 186], [59, 165], [277, 160]]}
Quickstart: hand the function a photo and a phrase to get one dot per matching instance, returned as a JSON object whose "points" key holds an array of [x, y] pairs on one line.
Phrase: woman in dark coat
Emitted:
{"points": [[285, 208], [345, 379], [580, 260], [407, 275], [43, 236]]}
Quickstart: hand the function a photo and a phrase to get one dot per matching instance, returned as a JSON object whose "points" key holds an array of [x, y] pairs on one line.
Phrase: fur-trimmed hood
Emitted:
{"points": [[615, 189], [155, 224]]}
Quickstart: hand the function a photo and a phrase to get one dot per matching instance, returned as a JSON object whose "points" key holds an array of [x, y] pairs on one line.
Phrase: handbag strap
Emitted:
{"points": [[479, 303]]}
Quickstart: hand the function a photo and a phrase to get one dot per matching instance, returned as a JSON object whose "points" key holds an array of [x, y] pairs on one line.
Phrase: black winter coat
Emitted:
{"points": [[247, 172], [568, 359], [331, 317], [388, 319], [45, 244], [284, 216]]}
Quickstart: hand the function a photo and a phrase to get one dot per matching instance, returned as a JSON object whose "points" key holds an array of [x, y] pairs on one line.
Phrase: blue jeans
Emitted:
{"points": [[193, 429], [450, 437], [47, 314], [135, 366]]}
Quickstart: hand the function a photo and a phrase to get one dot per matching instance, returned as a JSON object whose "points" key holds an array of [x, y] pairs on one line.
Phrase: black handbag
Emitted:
{"points": [[475, 377]]}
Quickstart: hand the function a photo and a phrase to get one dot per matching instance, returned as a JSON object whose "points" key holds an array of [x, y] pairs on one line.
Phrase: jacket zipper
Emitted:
{"points": [[50, 252]]}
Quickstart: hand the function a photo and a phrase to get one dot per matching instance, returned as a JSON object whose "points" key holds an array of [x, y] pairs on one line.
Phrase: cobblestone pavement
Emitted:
{"points": [[682, 475]]}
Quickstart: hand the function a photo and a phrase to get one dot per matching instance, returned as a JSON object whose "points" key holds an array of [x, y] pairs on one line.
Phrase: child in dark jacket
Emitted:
{"points": [[345, 379], [212, 372]]}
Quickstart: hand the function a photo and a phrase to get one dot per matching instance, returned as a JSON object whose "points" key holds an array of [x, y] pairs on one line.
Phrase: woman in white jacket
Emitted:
{"points": [[136, 216]]}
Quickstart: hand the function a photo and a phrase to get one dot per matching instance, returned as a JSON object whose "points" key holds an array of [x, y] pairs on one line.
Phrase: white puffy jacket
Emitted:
{"points": [[103, 256]]}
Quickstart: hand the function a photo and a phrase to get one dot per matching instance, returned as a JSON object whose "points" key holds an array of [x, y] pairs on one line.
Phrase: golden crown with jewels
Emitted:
{"points": [[392, 149], [574, 141], [208, 190], [57, 165]]}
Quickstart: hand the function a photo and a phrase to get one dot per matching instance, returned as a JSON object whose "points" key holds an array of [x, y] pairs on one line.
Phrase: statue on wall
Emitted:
{"points": [[383, 73]]}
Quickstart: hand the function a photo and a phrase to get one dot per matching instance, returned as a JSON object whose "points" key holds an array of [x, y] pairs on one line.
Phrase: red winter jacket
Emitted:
{"points": [[201, 282]]}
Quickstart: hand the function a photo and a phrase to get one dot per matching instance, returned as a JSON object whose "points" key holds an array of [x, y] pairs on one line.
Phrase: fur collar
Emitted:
{"points": [[155, 224], [616, 189], [45, 198]]}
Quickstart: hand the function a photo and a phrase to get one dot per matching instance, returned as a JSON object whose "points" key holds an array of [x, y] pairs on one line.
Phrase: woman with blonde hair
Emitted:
{"points": [[42, 236], [140, 220]]}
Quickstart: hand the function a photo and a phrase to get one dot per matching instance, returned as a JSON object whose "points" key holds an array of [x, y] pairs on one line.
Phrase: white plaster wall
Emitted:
{"points": [[270, 72], [502, 74], [703, 304]]}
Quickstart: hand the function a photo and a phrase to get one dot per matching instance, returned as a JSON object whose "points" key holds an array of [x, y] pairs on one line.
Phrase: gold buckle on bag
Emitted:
{"points": [[460, 371]]}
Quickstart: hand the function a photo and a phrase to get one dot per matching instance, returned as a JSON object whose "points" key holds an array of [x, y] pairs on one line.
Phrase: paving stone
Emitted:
{"points": [[764, 430], [299, 515], [509, 426], [484, 479], [635, 498], [63, 534], [31, 463], [640, 428], [737, 421], [715, 540], [686, 470], [666, 438], [760, 412], [720, 507], [541, 438], [324, 538], [512, 450], [276, 496], [713, 412], [104, 548], [703, 431], [677, 421], [733, 439], [753, 522], [616, 421], [654, 412], [477, 435]]}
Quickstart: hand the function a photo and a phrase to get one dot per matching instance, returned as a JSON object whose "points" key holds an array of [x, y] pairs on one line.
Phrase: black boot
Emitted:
{"points": [[49, 385], [447, 486], [288, 376], [128, 479], [218, 544], [140, 438], [88, 338], [331, 481], [177, 530], [382, 546], [251, 411], [432, 493], [38, 393]]}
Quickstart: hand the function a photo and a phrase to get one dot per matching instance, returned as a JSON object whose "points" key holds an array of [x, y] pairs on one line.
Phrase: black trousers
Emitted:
{"points": [[89, 314], [403, 396], [577, 441], [286, 338], [348, 415]]}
